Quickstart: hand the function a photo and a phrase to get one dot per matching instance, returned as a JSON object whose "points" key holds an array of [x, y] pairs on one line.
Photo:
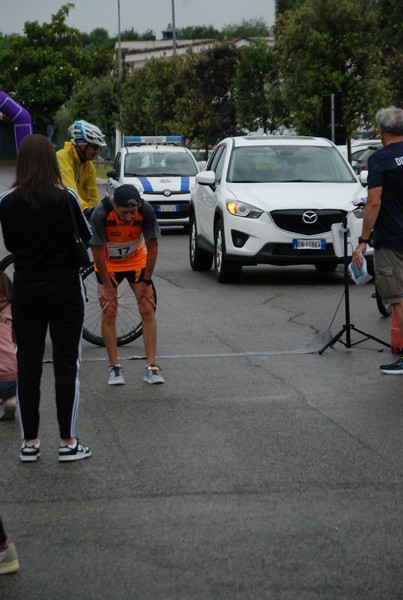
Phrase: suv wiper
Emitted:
{"points": [[245, 181], [301, 181]]}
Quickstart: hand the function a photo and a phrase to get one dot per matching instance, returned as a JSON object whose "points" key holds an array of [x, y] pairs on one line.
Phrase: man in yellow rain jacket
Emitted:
{"points": [[76, 162]]}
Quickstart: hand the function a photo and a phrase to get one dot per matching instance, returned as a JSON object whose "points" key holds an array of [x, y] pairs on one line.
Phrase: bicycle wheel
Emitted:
{"points": [[7, 265], [128, 321], [384, 309]]}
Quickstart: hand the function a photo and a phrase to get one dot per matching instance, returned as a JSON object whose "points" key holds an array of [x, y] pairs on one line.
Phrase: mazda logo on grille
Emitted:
{"points": [[309, 217]]}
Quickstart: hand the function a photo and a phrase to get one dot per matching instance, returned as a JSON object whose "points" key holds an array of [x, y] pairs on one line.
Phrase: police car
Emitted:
{"points": [[162, 169]]}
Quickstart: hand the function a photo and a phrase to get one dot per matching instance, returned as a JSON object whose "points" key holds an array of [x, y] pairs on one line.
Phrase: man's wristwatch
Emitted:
{"points": [[362, 241], [147, 281]]}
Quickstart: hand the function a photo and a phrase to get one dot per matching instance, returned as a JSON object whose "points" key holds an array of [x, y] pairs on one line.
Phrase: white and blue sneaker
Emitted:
{"points": [[153, 375], [116, 376]]}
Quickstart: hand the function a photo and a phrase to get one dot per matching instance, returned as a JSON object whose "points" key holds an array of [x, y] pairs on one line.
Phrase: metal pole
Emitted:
{"points": [[332, 118], [118, 135], [120, 43], [173, 27]]}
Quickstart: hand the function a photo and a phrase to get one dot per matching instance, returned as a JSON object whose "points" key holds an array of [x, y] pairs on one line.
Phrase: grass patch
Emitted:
{"points": [[101, 168]]}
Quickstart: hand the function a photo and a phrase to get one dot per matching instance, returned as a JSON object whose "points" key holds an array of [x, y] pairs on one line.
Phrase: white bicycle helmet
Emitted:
{"points": [[82, 131]]}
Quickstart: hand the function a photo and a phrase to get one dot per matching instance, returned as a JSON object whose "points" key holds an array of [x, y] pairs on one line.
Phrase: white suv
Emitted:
{"points": [[271, 200], [162, 170]]}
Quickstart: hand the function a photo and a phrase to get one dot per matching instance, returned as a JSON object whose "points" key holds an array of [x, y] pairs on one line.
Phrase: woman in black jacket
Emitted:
{"points": [[48, 291]]}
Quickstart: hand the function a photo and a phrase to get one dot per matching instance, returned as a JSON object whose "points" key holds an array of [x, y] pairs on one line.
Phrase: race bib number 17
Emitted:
{"points": [[121, 251]]}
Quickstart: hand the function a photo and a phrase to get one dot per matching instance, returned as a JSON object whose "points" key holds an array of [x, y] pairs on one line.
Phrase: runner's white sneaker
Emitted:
{"points": [[152, 375], [116, 376]]}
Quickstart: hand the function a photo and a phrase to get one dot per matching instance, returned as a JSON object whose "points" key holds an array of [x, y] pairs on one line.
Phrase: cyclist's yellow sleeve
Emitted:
{"points": [[81, 177]]}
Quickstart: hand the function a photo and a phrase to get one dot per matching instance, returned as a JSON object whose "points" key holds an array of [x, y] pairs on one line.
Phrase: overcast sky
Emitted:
{"points": [[141, 15]]}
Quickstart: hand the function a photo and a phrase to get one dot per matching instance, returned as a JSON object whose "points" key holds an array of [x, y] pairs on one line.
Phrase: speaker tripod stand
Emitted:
{"points": [[348, 327]]}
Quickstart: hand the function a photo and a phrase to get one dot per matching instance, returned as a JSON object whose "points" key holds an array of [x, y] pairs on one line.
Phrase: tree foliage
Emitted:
{"points": [[282, 5], [149, 95], [190, 96], [131, 35], [391, 35], [207, 110], [326, 47], [41, 68], [198, 32], [353, 48], [254, 80], [247, 28], [5, 41], [95, 101], [98, 37]]}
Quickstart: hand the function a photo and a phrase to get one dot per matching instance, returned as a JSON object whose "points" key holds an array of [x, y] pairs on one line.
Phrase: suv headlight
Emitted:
{"points": [[241, 209], [359, 213]]}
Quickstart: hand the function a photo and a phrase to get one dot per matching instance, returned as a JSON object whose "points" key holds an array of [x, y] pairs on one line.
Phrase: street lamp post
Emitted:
{"points": [[120, 43], [118, 134], [173, 28]]}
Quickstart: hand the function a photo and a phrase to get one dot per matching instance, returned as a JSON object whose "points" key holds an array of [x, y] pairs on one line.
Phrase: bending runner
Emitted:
{"points": [[118, 227]]}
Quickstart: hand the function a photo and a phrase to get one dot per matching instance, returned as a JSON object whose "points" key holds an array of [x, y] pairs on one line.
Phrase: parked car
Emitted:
{"points": [[163, 171], [360, 156], [271, 200], [361, 150]]}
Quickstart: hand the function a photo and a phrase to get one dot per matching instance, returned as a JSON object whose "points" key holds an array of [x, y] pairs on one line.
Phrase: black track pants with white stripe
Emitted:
{"points": [[42, 302]]}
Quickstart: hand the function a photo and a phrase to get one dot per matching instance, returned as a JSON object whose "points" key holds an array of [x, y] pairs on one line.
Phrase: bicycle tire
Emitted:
{"points": [[384, 309], [7, 262], [128, 322]]}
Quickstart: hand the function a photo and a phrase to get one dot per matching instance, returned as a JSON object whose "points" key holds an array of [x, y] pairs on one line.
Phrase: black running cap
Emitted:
{"points": [[127, 196]]}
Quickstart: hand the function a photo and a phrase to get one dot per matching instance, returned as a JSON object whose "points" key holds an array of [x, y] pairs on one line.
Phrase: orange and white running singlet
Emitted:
{"points": [[124, 245], [124, 248]]}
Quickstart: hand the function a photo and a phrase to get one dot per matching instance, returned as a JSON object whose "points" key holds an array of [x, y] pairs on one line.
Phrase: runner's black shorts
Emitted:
{"points": [[118, 276]]}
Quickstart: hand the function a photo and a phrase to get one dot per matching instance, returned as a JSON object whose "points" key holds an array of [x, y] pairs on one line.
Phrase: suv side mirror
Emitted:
{"points": [[111, 173], [206, 178], [363, 177]]}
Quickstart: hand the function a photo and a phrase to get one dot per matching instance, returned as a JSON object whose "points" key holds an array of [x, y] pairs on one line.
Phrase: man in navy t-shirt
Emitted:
{"points": [[383, 217]]}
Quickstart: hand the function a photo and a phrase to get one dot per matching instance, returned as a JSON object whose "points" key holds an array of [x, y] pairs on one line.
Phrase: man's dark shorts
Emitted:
{"points": [[389, 275], [118, 276]]}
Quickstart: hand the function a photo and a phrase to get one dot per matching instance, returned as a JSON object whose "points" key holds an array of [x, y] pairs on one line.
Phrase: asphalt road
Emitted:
{"points": [[259, 470]]}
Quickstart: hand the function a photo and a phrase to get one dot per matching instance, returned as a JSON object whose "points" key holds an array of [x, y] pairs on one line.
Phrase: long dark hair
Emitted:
{"points": [[37, 171], [6, 290]]}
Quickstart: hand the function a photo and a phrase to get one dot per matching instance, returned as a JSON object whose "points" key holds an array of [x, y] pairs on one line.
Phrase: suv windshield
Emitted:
{"points": [[157, 164], [268, 164]]}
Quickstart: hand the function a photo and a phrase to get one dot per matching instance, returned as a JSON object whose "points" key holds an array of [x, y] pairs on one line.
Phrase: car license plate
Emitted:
{"points": [[167, 207], [309, 244]]}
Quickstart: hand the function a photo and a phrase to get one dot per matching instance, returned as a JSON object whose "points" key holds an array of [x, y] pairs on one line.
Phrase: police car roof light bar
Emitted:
{"points": [[138, 140]]}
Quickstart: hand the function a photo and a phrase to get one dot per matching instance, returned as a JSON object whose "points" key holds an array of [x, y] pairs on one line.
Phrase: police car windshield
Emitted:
{"points": [[287, 163], [158, 164]]}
